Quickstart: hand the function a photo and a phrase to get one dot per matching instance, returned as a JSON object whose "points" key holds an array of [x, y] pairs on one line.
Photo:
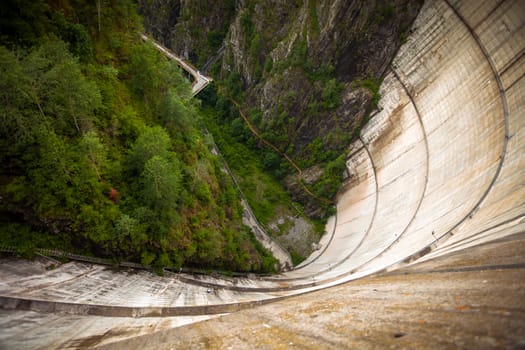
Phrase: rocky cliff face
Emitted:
{"points": [[194, 29], [301, 48], [306, 71]]}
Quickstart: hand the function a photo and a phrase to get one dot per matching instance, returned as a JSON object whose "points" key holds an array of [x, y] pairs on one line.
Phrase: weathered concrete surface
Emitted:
{"points": [[445, 153], [123, 293], [477, 304], [36, 330], [439, 170]]}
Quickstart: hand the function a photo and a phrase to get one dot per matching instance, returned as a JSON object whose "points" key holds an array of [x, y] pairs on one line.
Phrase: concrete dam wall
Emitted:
{"points": [[441, 164], [437, 174]]}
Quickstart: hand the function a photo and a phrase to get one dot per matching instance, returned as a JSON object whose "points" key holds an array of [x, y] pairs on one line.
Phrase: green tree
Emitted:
{"points": [[58, 89], [130, 233], [154, 141], [209, 245], [95, 152], [162, 183], [144, 71], [83, 95], [16, 121], [175, 114]]}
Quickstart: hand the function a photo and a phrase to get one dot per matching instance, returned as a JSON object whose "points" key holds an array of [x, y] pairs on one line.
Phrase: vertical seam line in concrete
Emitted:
{"points": [[489, 13], [506, 114], [422, 196], [427, 249], [372, 220]]}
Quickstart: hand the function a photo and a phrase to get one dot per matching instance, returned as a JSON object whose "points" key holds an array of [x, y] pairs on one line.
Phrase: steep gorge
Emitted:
{"points": [[102, 149], [429, 233], [305, 73]]}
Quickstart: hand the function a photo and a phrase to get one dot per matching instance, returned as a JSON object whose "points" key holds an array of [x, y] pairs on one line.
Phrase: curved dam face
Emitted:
{"points": [[441, 165], [439, 170]]}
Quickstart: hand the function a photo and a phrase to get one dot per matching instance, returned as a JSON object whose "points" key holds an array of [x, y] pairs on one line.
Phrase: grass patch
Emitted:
{"points": [[372, 85], [297, 258]]}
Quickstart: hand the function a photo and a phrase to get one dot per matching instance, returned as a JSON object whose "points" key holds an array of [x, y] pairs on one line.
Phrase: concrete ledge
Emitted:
{"points": [[49, 306]]}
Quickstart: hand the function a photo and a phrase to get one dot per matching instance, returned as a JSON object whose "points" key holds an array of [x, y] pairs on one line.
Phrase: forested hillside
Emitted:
{"points": [[306, 75], [102, 146]]}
